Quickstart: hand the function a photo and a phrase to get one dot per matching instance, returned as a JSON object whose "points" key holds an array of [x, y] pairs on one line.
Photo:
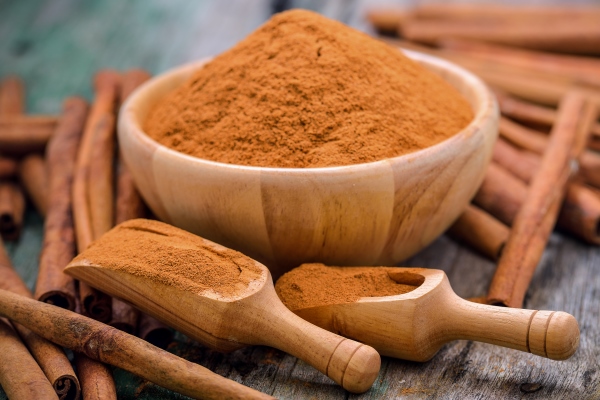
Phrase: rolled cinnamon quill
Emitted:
{"points": [[12, 200], [481, 231], [580, 212], [96, 380], [128, 205], [565, 36], [585, 70], [24, 134], [535, 141], [525, 13], [525, 86], [537, 215], [12, 209], [52, 359], [531, 85], [34, 179], [524, 111], [101, 118], [536, 114], [109, 345], [101, 176], [501, 194], [20, 376], [53, 286]]}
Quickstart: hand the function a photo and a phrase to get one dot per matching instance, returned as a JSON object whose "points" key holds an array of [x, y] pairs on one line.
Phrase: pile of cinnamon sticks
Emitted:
{"points": [[568, 29], [545, 169], [71, 170]]}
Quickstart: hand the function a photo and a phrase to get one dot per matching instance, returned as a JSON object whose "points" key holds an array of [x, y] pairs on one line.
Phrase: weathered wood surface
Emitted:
{"points": [[57, 45]]}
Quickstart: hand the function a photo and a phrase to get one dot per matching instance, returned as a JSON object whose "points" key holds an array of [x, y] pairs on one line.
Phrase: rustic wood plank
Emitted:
{"points": [[57, 45]]}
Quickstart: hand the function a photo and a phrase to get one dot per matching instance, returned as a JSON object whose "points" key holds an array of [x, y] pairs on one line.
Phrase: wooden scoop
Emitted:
{"points": [[415, 325], [253, 316]]}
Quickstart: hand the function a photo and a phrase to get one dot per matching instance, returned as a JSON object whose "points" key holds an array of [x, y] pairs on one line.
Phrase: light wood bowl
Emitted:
{"points": [[377, 213]]}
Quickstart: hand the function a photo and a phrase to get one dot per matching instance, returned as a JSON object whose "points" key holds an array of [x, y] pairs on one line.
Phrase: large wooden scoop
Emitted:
{"points": [[415, 325], [253, 315]]}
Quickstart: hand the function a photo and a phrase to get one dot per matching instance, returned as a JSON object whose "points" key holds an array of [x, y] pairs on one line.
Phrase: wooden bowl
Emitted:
{"points": [[376, 213]]}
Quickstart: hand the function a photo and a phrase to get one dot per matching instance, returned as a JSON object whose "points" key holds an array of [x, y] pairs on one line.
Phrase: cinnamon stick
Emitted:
{"points": [[154, 332], [523, 137], [109, 345], [53, 286], [535, 86], [535, 141], [101, 176], [536, 217], [20, 376], [481, 231], [501, 194], [95, 303], [23, 134], [565, 36], [106, 84], [34, 179], [583, 69], [12, 201], [8, 167], [96, 379], [51, 358], [524, 111], [525, 13], [127, 205], [525, 86], [12, 210], [580, 212]]}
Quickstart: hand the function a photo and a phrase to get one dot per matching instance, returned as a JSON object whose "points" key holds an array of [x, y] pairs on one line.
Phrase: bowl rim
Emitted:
{"points": [[486, 110]]}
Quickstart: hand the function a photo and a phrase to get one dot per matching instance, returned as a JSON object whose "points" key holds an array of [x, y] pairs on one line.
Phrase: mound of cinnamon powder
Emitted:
{"points": [[306, 91], [172, 256], [312, 285]]}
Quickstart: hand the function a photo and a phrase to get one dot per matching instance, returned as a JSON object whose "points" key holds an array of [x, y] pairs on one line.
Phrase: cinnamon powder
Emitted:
{"points": [[313, 285], [172, 256], [306, 91]]}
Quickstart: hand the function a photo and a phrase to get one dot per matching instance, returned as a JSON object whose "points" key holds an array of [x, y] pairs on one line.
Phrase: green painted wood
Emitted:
{"points": [[56, 46]]}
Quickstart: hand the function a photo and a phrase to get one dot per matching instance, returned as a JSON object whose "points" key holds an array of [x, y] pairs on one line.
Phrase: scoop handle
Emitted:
{"points": [[550, 334], [352, 365]]}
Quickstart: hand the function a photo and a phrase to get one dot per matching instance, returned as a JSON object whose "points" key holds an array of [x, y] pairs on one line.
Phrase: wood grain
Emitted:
{"points": [[47, 33]]}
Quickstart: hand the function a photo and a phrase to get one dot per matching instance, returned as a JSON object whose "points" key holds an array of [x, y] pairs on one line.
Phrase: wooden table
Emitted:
{"points": [[56, 46]]}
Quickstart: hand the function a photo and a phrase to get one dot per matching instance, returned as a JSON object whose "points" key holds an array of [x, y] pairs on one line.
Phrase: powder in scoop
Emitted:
{"points": [[312, 285], [172, 256], [306, 91]]}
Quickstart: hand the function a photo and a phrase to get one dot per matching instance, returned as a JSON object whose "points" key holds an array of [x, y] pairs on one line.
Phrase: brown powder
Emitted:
{"points": [[306, 91], [312, 285], [165, 254]]}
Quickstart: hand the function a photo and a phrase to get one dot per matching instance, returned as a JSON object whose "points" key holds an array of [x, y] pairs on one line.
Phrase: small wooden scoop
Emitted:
{"points": [[253, 316], [415, 325]]}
